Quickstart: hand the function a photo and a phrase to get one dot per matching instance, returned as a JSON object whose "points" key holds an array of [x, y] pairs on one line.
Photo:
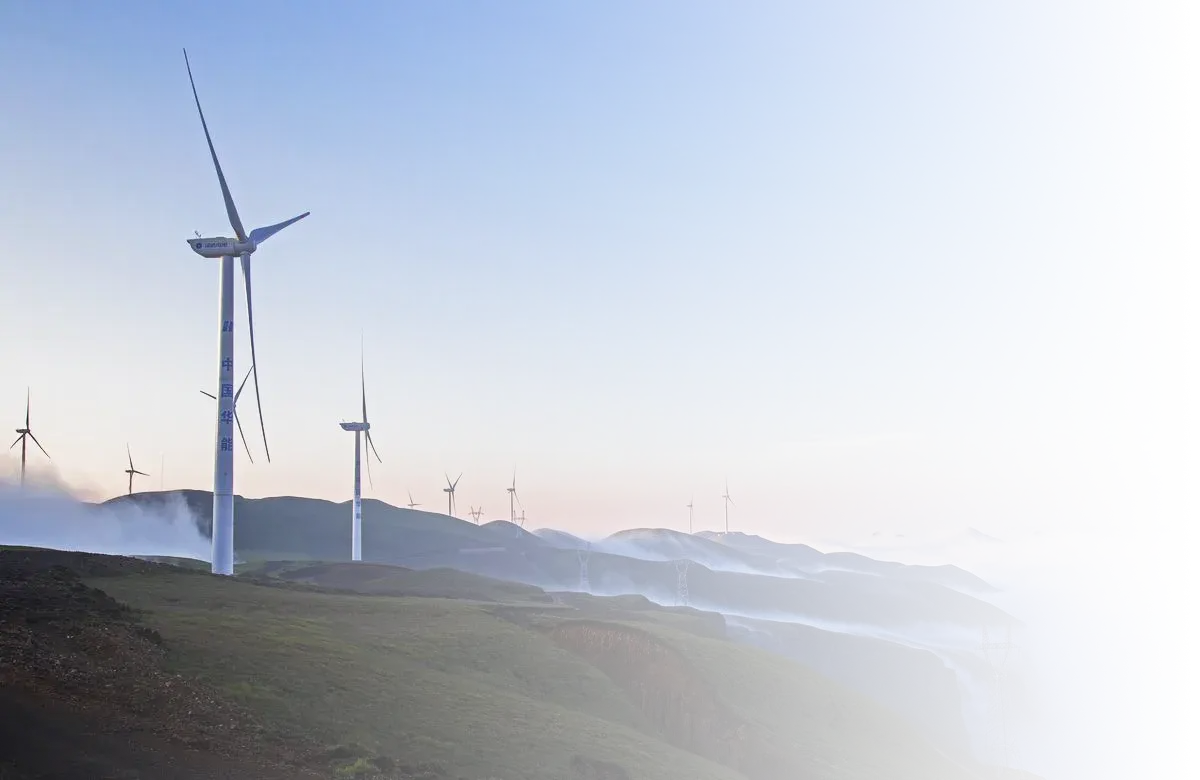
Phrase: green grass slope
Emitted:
{"points": [[855, 737], [427, 680]]}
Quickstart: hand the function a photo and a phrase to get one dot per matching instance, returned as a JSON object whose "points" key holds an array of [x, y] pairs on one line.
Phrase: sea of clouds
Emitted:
{"points": [[46, 515], [1109, 625]]}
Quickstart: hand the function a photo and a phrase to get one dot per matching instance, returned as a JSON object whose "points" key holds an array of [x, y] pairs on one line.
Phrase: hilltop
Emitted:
{"points": [[834, 587], [436, 675]]}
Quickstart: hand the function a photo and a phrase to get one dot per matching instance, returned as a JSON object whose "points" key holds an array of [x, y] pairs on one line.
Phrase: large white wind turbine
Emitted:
{"points": [[359, 429], [242, 246], [27, 433], [449, 491]]}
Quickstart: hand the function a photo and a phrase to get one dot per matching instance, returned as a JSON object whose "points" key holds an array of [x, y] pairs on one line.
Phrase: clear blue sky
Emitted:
{"points": [[883, 265]]}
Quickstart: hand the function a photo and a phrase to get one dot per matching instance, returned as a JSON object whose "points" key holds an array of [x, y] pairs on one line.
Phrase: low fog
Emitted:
{"points": [[1101, 679], [45, 515]]}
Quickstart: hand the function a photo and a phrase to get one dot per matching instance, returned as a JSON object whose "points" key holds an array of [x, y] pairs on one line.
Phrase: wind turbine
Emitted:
{"points": [[728, 501], [359, 429], [412, 504], [242, 246], [237, 419], [27, 433], [449, 491], [690, 502], [512, 497], [476, 514], [131, 470]]}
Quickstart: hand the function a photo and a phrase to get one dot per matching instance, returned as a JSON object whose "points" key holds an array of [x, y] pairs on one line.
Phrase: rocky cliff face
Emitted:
{"points": [[912, 683], [676, 700]]}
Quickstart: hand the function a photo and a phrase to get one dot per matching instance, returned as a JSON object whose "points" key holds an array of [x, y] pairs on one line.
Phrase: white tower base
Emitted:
{"points": [[222, 525]]}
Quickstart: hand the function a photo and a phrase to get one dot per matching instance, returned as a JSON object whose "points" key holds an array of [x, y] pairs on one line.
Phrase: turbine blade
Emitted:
{"points": [[370, 481], [456, 479], [259, 235], [210, 395], [40, 447], [144, 474], [18, 441], [242, 385], [27, 408], [242, 433], [371, 444], [363, 375], [253, 356], [234, 220], [129, 455]]}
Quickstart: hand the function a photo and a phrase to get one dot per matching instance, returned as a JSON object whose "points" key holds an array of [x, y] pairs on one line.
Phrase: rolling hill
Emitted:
{"points": [[436, 675]]}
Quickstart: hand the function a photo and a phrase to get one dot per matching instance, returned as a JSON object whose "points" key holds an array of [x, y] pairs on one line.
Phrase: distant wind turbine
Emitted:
{"points": [[131, 470], [512, 497], [728, 501], [359, 429], [412, 504], [449, 491], [27, 433], [243, 246], [690, 502], [476, 514], [237, 419]]}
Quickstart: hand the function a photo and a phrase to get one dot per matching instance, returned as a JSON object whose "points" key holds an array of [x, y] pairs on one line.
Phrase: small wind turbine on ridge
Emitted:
{"points": [[131, 470], [689, 507], [449, 491], [27, 433], [412, 504], [512, 499], [359, 429], [243, 245], [728, 501]]}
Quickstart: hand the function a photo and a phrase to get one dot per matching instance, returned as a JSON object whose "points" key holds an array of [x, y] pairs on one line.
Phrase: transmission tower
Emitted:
{"points": [[997, 653], [681, 586], [584, 584]]}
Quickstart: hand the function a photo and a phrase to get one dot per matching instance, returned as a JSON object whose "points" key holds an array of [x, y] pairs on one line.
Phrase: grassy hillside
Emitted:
{"points": [[277, 673], [450, 683], [425, 679], [856, 738]]}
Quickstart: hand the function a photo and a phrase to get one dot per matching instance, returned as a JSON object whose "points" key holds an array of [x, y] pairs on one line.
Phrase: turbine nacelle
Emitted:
{"points": [[355, 426], [221, 247]]}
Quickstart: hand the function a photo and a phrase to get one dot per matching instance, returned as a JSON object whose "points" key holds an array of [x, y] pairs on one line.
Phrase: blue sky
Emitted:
{"points": [[883, 267]]}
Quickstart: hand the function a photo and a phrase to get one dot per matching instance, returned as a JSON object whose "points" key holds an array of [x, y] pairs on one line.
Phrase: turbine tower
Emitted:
{"points": [[237, 419], [476, 514], [242, 245], [691, 501], [728, 501], [412, 504], [27, 433], [359, 429], [449, 491], [131, 470]]}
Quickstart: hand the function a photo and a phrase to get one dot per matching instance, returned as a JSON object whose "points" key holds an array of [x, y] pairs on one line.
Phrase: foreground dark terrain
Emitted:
{"points": [[119, 668]]}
